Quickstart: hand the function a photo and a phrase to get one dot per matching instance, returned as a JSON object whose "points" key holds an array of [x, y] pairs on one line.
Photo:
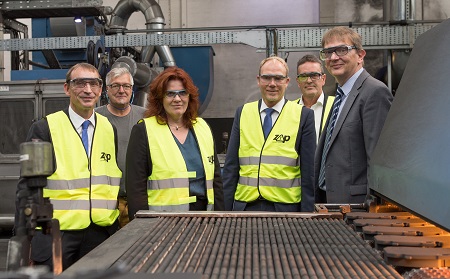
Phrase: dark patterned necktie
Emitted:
{"points": [[330, 128]]}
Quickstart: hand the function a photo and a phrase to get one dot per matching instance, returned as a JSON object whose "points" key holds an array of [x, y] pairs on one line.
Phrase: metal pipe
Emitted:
{"points": [[347, 234], [205, 264], [273, 260], [400, 10], [336, 253], [154, 21], [257, 247], [294, 243], [124, 9], [240, 249], [264, 27], [319, 250], [201, 243], [162, 233], [262, 250], [279, 249], [246, 262], [194, 232], [208, 251], [227, 237], [240, 214], [366, 260], [169, 244], [139, 248], [303, 233], [142, 73]]}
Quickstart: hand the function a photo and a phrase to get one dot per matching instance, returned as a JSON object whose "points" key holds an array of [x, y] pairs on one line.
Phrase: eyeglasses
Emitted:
{"points": [[80, 83], [326, 53], [116, 86], [313, 75], [266, 79], [173, 93]]}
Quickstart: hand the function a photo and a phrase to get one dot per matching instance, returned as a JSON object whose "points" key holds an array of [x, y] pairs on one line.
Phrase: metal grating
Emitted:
{"points": [[292, 39], [50, 8], [254, 247]]}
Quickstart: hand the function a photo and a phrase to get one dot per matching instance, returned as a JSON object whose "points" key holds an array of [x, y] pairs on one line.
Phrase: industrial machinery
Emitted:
{"points": [[407, 177], [35, 210], [39, 66], [39, 63], [410, 232]]}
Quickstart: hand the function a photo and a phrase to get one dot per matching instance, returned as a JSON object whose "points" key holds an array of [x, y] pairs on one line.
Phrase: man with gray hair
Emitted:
{"points": [[122, 114]]}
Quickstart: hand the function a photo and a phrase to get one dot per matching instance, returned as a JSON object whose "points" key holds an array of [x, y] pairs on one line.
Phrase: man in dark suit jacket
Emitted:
{"points": [[310, 79], [262, 173], [84, 185], [343, 152]]}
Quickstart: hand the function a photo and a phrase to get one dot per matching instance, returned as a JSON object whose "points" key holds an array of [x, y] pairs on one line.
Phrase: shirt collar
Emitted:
{"points": [[321, 98], [319, 101], [347, 87], [78, 120], [278, 107]]}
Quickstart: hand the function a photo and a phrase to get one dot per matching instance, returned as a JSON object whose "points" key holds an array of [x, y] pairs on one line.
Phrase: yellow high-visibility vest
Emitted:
{"points": [[168, 185], [269, 168], [83, 189], [326, 111]]}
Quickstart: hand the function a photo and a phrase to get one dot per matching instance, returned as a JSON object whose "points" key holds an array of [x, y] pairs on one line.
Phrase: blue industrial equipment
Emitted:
{"points": [[198, 61]]}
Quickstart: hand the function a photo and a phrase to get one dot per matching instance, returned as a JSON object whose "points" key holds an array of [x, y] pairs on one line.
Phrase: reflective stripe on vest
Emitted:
{"points": [[81, 183], [168, 185], [78, 194], [269, 168], [327, 110]]}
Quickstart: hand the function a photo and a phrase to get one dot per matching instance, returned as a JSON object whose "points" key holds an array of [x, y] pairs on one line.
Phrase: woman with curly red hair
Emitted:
{"points": [[171, 159]]}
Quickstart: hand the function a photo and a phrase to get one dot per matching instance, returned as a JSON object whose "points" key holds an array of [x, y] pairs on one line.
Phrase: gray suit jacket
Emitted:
{"points": [[354, 138]]}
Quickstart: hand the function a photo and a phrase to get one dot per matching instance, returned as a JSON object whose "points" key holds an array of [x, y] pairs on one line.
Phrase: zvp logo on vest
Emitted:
{"points": [[211, 159], [282, 138], [105, 157]]}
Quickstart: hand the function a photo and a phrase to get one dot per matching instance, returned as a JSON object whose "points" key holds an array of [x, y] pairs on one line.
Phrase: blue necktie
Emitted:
{"points": [[330, 128], [267, 125], [84, 135]]}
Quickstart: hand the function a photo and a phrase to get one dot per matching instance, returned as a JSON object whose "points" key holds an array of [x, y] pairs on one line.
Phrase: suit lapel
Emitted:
{"points": [[349, 103]]}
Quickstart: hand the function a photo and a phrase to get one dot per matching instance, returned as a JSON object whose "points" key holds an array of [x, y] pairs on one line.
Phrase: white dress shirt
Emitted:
{"points": [[318, 109], [77, 121], [277, 109]]}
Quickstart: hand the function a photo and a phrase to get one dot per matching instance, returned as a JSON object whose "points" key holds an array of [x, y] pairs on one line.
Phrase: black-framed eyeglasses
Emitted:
{"points": [[94, 83], [173, 93], [326, 53], [312, 75], [266, 79], [116, 86]]}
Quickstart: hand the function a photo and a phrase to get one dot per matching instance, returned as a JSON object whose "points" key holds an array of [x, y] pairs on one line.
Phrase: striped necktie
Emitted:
{"points": [[330, 128]]}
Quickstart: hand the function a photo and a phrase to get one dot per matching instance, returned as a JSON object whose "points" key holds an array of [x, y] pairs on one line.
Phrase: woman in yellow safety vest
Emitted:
{"points": [[171, 160]]}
